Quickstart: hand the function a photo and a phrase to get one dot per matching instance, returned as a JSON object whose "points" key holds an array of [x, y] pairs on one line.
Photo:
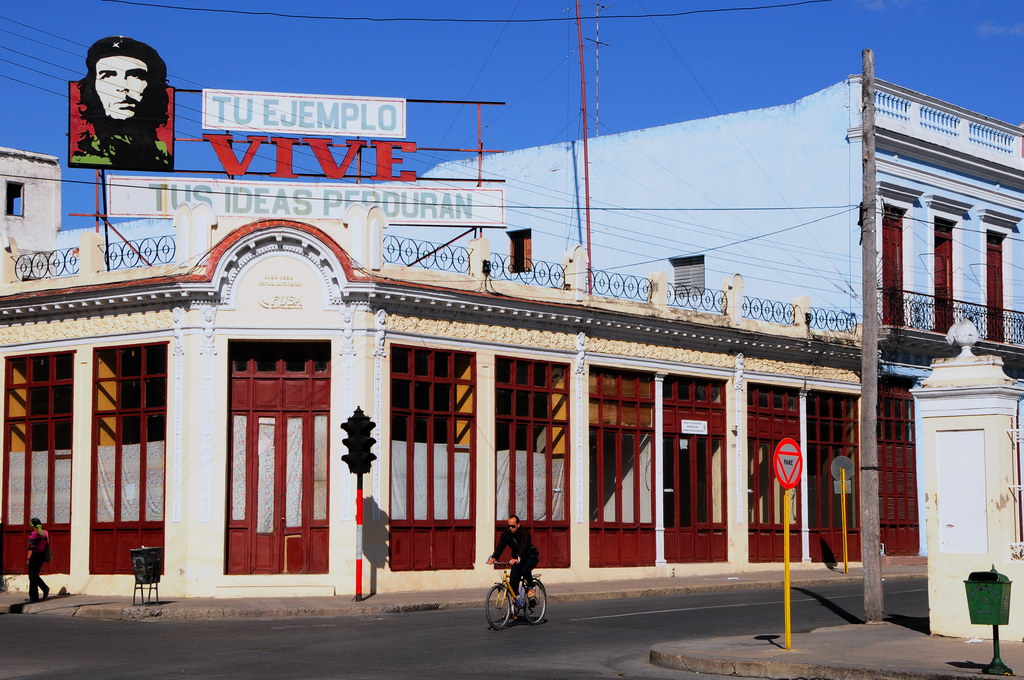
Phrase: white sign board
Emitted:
{"points": [[694, 427], [303, 114], [130, 196], [963, 498]]}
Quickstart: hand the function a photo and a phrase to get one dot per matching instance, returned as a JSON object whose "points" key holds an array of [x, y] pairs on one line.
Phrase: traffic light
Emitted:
{"points": [[359, 442]]}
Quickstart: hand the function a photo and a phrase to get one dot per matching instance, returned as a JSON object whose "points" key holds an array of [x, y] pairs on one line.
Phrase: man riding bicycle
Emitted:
{"points": [[524, 555]]}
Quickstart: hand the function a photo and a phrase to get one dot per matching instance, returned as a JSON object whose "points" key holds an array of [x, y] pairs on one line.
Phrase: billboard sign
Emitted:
{"points": [[303, 114], [131, 196], [121, 114]]}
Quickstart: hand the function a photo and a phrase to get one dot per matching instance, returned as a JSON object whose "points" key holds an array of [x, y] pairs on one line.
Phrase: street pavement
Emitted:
{"points": [[898, 649]]}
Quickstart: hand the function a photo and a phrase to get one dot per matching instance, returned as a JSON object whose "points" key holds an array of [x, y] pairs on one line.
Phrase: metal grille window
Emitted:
{"points": [[129, 440], [532, 450], [433, 406], [37, 455], [621, 468]]}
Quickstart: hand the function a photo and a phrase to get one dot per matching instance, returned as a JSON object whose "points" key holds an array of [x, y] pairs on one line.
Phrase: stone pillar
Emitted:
{"points": [[968, 406]]}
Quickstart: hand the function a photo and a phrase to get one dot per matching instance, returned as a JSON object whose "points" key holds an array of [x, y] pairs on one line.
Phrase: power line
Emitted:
{"points": [[462, 20]]}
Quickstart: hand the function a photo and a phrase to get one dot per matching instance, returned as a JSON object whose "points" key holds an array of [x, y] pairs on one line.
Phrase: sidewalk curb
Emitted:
{"points": [[663, 656]]}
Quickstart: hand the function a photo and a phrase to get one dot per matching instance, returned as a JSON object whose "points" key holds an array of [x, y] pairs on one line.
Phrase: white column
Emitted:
{"points": [[659, 469], [805, 534]]}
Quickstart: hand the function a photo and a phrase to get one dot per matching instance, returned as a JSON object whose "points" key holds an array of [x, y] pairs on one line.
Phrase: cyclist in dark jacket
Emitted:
{"points": [[524, 554]]}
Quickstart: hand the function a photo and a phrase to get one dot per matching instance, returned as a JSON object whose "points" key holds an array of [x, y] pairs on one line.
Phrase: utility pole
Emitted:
{"points": [[586, 147], [874, 607]]}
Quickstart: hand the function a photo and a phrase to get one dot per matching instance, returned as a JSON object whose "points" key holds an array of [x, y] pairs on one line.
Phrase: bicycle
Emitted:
{"points": [[503, 604]]}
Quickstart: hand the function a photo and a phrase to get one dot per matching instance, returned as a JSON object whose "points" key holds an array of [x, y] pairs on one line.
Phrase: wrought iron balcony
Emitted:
{"points": [[46, 264], [145, 252], [412, 253], [535, 273], [906, 309], [700, 299]]}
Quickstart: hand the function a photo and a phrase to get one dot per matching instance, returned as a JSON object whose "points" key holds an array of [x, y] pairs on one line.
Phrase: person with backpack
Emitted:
{"points": [[38, 553], [525, 555]]}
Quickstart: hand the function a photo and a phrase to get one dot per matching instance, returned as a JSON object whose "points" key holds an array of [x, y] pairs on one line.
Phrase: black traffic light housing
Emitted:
{"points": [[359, 442]]}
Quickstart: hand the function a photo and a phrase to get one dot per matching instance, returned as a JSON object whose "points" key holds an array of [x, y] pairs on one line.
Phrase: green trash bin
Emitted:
{"points": [[988, 598], [988, 601]]}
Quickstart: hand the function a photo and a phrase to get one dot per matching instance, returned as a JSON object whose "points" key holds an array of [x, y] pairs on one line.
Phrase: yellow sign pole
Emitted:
{"points": [[842, 500], [785, 557]]}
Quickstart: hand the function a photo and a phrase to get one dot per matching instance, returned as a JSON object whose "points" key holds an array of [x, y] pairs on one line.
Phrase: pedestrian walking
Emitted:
{"points": [[38, 553]]}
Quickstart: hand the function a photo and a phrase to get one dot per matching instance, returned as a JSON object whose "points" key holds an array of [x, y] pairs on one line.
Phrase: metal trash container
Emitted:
{"points": [[988, 598], [147, 563], [988, 601]]}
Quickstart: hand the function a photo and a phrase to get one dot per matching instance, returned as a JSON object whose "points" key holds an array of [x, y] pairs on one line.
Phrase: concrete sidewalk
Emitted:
{"points": [[887, 651], [175, 608]]}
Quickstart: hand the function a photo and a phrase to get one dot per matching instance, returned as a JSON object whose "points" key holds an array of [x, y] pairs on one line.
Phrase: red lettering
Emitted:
{"points": [[386, 160], [322, 151], [284, 156], [226, 155]]}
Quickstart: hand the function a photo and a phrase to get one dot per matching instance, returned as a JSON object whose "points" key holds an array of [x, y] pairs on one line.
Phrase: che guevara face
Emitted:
{"points": [[120, 83]]}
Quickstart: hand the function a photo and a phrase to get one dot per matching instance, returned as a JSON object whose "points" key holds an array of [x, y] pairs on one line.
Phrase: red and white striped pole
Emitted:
{"points": [[359, 537]]}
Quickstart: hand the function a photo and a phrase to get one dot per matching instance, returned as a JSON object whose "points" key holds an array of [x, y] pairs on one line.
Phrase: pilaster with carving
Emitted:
{"points": [[581, 424], [741, 439], [380, 325], [208, 353], [178, 358], [348, 354]]}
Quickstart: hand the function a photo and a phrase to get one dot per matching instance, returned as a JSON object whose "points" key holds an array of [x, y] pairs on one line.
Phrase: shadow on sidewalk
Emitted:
{"points": [[831, 606], [918, 624]]}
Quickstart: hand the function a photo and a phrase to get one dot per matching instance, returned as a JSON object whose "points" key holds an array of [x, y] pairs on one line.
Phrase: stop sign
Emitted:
{"points": [[788, 463]]}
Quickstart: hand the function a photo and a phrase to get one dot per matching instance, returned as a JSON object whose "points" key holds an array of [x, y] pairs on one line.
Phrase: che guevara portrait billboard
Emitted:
{"points": [[122, 111]]}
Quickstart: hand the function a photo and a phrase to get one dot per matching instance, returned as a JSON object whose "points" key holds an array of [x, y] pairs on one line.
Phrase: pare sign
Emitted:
{"points": [[788, 463]]}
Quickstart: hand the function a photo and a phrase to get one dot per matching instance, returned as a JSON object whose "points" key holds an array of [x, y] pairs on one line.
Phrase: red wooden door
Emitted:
{"points": [[773, 413], [694, 480], [994, 288], [532, 451], [892, 267], [943, 259], [832, 431], [897, 459], [621, 469], [278, 462]]}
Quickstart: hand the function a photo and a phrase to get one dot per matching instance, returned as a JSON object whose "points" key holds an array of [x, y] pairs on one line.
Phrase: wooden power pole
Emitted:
{"points": [[874, 608]]}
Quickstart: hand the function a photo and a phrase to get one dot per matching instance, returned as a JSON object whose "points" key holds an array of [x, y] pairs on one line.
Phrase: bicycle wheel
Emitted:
{"points": [[535, 612], [498, 607]]}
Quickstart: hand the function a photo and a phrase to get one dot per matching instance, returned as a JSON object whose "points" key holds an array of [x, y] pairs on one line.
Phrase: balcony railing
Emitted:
{"points": [[145, 252], [535, 273], [700, 299], [621, 286], [772, 311], [412, 253], [831, 320], [46, 264], [906, 309]]}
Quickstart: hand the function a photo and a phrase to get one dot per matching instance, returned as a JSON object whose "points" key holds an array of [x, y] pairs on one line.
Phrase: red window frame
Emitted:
{"points": [[433, 408], [532, 423], [129, 410], [621, 420], [38, 418], [994, 286], [696, 528], [833, 429], [892, 266], [943, 266]]}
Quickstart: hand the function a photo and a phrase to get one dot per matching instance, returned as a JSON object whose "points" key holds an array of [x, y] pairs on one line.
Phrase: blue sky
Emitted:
{"points": [[652, 71]]}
